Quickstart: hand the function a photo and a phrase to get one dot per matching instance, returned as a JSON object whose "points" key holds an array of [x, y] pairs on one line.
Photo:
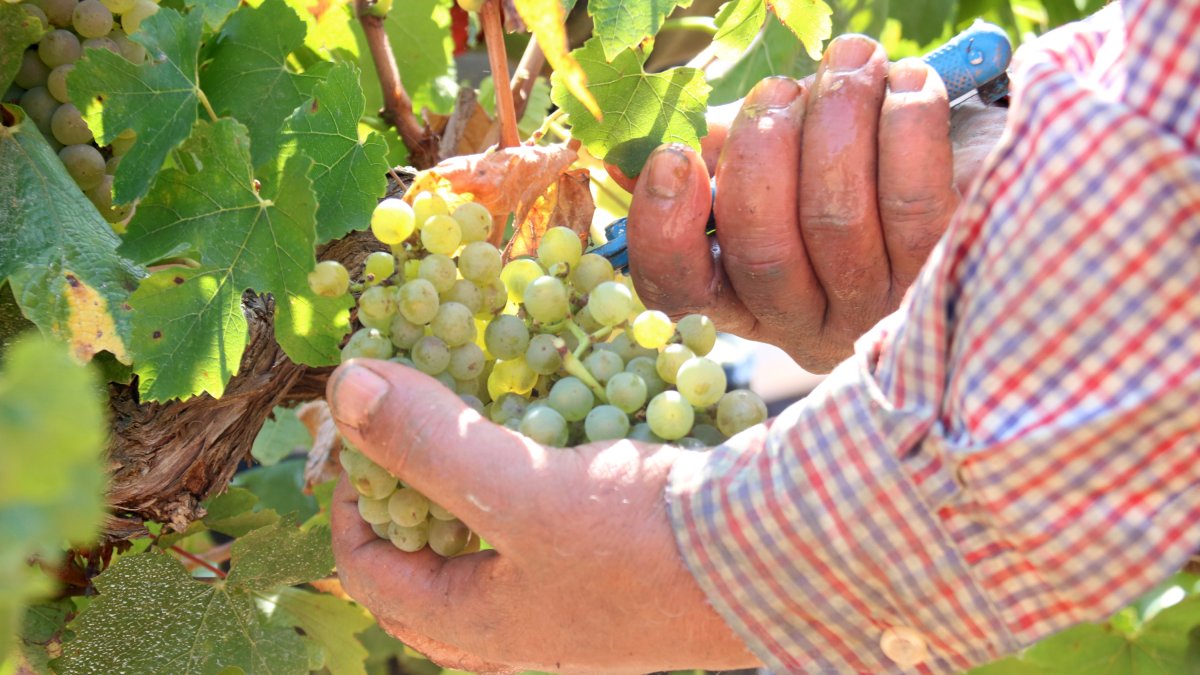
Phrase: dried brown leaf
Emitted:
{"points": [[568, 203], [323, 462]]}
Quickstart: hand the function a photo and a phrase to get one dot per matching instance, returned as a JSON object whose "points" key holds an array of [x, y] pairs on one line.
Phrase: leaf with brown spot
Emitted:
{"points": [[90, 325], [568, 203]]}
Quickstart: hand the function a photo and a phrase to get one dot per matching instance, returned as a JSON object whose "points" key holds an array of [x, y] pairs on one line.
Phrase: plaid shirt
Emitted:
{"points": [[1017, 448]]}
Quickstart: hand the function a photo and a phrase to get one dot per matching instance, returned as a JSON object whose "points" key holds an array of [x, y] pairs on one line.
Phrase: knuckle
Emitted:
{"points": [[830, 221], [926, 207]]}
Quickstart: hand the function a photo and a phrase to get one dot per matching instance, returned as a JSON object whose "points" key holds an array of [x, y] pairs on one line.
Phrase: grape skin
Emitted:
{"points": [[368, 478], [430, 355], [374, 511], [669, 361], [392, 221], [379, 267], [545, 425], [603, 364], [546, 299], [571, 398], [418, 301], [68, 126], [426, 205], [652, 329], [454, 324], [610, 303], [59, 47], [33, 72], [701, 381], [466, 362], [606, 423], [56, 82], [448, 537], [559, 245], [407, 508], [517, 275], [92, 19], [591, 271], [739, 410], [84, 163], [626, 391], [670, 416], [409, 539], [697, 333], [475, 221], [507, 337]]}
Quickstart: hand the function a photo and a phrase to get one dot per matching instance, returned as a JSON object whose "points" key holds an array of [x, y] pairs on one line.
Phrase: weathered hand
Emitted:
{"points": [[830, 195], [585, 575]]}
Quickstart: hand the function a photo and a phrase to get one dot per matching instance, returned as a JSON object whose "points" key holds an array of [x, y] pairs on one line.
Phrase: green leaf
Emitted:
{"points": [[280, 436], [808, 19], [776, 52], [58, 254], [419, 32], [188, 330], [152, 617], [329, 621], [348, 177], [214, 11], [20, 29], [280, 488], [738, 23], [249, 77], [281, 555], [641, 110], [624, 24], [923, 21], [233, 513], [157, 99], [43, 627], [330, 27]]}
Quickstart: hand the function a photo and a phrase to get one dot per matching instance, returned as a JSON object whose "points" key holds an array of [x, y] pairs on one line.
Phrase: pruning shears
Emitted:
{"points": [[974, 62]]}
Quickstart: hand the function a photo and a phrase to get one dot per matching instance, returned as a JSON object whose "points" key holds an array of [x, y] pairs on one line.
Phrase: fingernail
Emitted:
{"points": [[357, 394], [773, 92], [907, 75], [849, 52], [667, 173]]}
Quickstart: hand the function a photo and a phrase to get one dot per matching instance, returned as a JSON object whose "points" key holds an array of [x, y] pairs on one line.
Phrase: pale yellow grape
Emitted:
{"points": [[92, 19], [559, 245], [428, 204], [592, 270], [379, 266], [669, 361], [512, 375], [392, 221], [431, 355], [652, 329], [610, 303], [517, 275], [68, 126], [464, 293], [454, 323], [480, 262], [329, 279], [132, 19], [646, 368], [367, 343], [546, 299], [670, 416], [495, 297], [506, 337], [378, 305], [475, 221], [84, 163], [381, 531], [407, 507], [409, 539], [56, 82], [418, 301], [439, 270], [739, 410], [542, 355], [374, 511], [368, 478], [59, 47], [441, 234], [439, 513], [132, 51], [119, 6], [101, 197], [32, 72], [471, 5], [586, 321], [697, 333], [35, 12], [466, 362], [404, 333], [701, 381], [448, 537]]}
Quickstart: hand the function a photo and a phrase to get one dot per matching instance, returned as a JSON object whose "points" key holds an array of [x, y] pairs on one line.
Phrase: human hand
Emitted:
{"points": [[830, 195], [585, 575]]}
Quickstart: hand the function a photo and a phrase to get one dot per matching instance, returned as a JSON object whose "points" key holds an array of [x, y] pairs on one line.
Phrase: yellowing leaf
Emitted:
{"points": [[568, 203], [808, 19], [547, 21], [90, 326]]}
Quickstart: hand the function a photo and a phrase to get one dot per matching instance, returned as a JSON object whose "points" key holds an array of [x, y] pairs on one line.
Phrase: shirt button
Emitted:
{"points": [[904, 646]]}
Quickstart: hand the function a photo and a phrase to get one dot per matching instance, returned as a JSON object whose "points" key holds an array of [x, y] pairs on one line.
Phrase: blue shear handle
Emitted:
{"points": [[971, 59]]}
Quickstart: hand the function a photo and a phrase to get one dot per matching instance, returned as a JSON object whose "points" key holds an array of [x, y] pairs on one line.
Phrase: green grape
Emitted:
{"points": [[59, 47], [392, 221], [592, 270], [448, 537], [439, 513], [669, 361], [628, 349], [511, 375], [517, 275], [408, 539], [119, 6], [475, 221], [468, 389], [670, 416], [603, 364], [642, 432], [374, 511], [571, 398], [507, 407], [480, 262], [546, 299], [471, 5], [377, 305], [646, 368], [546, 426], [56, 82], [37, 13], [441, 234], [542, 355], [101, 43], [697, 333], [101, 198], [439, 270], [495, 296], [506, 337], [329, 279], [627, 391], [426, 205], [586, 321], [466, 362], [381, 531], [92, 19], [708, 435], [404, 333], [701, 381], [739, 410], [32, 73], [447, 380], [471, 400], [40, 106], [84, 163], [368, 478], [610, 303], [132, 51], [367, 343], [59, 12], [652, 329], [454, 324], [123, 142], [559, 245], [465, 293], [606, 423], [430, 355], [418, 301], [68, 126], [379, 267], [132, 19], [407, 507], [110, 167]]}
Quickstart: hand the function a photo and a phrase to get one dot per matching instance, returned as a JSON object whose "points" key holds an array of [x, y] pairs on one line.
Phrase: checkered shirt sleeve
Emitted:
{"points": [[1017, 448]]}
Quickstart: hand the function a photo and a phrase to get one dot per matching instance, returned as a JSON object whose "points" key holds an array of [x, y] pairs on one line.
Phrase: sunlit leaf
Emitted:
{"points": [[547, 21], [808, 19]]}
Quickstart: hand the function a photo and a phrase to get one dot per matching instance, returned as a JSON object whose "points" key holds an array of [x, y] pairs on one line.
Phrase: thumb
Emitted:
{"points": [[421, 432]]}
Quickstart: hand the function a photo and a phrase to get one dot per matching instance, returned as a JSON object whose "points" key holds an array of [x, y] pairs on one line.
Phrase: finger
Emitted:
{"points": [[442, 654], [421, 432], [762, 251], [669, 254], [620, 178], [916, 168], [838, 214]]}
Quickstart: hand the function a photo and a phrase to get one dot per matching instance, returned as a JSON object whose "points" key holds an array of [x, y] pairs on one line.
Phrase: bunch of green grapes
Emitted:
{"points": [[69, 28], [556, 347]]}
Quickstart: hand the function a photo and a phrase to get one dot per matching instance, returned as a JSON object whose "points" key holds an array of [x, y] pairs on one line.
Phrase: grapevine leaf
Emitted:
{"points": [[568, 203], [280, 488], [41, 630], [20, 29], [810, 20], [624, 24], [331, 622], [151, 616], [419, 32], [232, 513], [157, 99], [642, 110], [58, 254], [738, 23], [249, 77], [188, 330], [348, 177], [330, 27], [775, 52], [280, 436], [547, 20], [924, 21], [214, 11], [281, 555]]}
